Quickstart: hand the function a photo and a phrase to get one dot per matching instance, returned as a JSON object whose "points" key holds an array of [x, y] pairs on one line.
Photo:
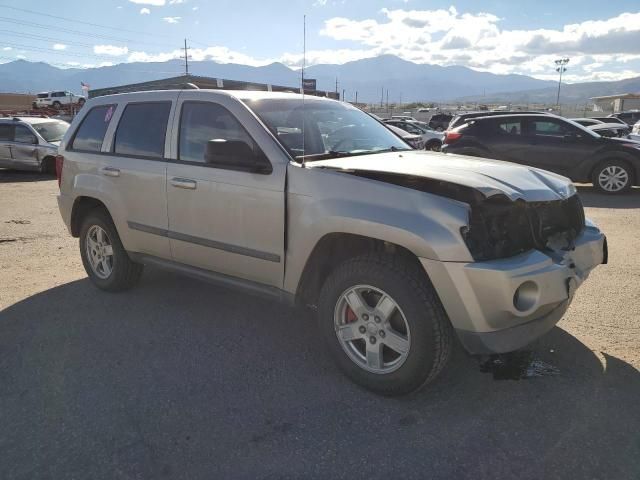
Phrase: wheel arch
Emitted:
{"points": [[81, 207], [332, 250]]}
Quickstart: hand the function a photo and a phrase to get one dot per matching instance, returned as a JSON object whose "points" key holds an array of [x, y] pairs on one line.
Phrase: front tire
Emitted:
{"points": [[104, 258], [612, 176], [384, 324], [57, 105]]}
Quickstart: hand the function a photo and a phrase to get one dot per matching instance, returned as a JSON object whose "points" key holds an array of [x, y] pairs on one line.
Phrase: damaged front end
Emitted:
{"points": [[501, 228]]}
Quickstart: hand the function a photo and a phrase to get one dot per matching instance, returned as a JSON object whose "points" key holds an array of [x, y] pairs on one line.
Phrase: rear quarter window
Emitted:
{"points": [[142, 129], [90, 133]]}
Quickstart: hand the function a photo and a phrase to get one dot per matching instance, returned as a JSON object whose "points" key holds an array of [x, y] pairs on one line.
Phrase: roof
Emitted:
{"points": [[239, 94], [618, 95]]}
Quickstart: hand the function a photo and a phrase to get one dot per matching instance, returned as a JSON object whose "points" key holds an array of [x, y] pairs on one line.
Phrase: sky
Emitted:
{"points": [[601, 39]]}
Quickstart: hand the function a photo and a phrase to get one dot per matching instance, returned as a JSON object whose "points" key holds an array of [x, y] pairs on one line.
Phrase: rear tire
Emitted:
{"points": [[48, 166], [57, 105], [104, 258], [612, 177], [417, 326], [434, 146]]}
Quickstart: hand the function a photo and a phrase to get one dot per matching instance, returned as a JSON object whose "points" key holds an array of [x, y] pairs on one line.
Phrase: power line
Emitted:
{"points": [[74, 32], [43, 38], [78, 21], [56, 52]]}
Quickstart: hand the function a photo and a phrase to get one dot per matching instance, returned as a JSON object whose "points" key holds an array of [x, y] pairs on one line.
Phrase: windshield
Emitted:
{"points": [[51, 131], [330, 128]]}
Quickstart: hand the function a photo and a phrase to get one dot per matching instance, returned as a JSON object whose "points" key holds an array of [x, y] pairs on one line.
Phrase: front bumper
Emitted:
{"points": [[501, 305]]}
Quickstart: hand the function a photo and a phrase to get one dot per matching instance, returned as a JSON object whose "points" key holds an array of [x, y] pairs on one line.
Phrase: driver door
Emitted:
{"points": [[556, 145], [222, 218]]}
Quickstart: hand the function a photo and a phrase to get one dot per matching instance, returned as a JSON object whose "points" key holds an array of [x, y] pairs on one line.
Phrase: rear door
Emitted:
{"points": [[222, 218], [504, 138], [135, 170]]}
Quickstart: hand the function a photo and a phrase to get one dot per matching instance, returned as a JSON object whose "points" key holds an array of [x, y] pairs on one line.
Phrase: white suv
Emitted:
{"points": [[57, 99]]}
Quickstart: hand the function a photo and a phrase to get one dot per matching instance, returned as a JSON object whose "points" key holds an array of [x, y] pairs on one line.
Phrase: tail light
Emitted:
{"points": [[59, 164], [451, 136]]}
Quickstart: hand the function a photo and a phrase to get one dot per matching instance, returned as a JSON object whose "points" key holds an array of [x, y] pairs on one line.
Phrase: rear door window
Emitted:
{"points": [[510, 127], [142, 129], [90, 134]]}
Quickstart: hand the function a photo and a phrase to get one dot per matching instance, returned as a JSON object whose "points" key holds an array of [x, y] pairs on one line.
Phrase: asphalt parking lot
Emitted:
{"points": [[180, 379]]}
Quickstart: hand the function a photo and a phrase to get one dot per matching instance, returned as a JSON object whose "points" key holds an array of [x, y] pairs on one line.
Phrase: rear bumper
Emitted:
{"points": [[502, 305]]}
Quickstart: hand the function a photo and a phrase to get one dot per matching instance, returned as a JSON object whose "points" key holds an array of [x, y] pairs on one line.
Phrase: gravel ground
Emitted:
{"points": [[179, 379]]}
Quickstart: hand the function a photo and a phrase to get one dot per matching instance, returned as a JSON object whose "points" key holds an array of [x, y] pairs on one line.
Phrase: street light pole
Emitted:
{"points": [[560, 68]]}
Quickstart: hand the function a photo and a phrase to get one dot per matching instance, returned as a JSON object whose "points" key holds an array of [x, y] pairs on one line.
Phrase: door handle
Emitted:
{"points": [[184, 183], [110, 171]]}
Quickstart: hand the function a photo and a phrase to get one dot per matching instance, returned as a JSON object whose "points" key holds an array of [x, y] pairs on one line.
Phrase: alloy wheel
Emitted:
{"points": [[613, 178], [99, 252], [372, 329]]}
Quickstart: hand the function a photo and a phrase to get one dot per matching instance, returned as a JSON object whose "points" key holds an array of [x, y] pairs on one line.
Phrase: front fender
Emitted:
{"points": [[425, 224]]}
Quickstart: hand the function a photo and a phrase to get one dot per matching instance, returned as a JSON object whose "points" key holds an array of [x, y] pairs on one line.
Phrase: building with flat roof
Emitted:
{"points": [[195, 81], [617, 103]]}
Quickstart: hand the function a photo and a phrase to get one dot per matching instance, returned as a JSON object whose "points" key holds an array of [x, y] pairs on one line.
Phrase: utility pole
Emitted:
{"points": [[560, 68], [382, 97], [356, 97], [186, 58], [343, 98], [387, 99], [336, 87]]}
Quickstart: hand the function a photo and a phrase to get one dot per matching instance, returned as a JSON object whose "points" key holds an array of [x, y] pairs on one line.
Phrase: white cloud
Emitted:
{"points": [[145, 11], [177, 2], [216, 53], [450, 37], [110, 50], [20, 57], [171, 19], [154, 3], [59, 46], [6, 49], [195, 8]]}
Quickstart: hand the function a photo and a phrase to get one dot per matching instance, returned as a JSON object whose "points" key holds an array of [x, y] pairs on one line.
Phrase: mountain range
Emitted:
{"points": [[406, 81]]}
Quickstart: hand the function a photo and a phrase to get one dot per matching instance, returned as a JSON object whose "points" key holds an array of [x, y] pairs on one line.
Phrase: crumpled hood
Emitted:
{"points": [[489, 177]]}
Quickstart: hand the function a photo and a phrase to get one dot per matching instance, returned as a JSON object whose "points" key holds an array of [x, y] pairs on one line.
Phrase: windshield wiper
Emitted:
{"points": [[325, 155]]}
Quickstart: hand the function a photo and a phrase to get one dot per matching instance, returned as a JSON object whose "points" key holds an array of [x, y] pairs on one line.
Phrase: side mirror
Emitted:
{"points": [[235, 155]]}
